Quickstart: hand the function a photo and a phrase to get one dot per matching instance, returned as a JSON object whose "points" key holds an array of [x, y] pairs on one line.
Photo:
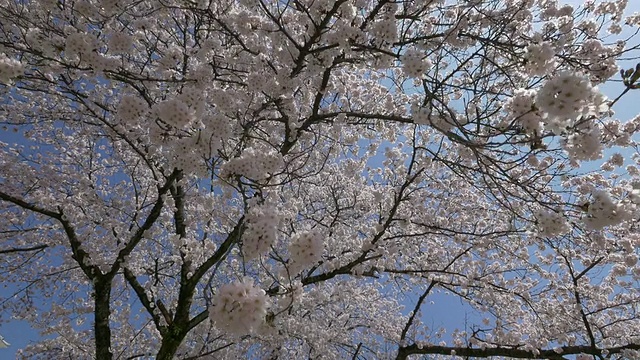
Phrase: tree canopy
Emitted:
{"points": [[226, 179]]}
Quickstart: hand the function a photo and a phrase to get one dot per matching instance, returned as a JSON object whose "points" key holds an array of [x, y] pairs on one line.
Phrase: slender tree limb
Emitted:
{"points": [[555, 354], [33, 248]]}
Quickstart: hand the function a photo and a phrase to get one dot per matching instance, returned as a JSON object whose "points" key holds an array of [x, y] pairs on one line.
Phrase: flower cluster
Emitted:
{"points": [[414, 64], [193, 97], [565, 96], [540, 58], [79, 44], [9, 69], [626, 353], [174, 112], [522, 107], [120, 43], [443, 122], [305, 250], [131, 108], [602, 211], [420, 115], [187, 152], [601, 59], [253, 164], [85, 47], [584, 145], [218, 126], [551, 223], [261, 232], [384, 30], [239, 308], [616, 160]]}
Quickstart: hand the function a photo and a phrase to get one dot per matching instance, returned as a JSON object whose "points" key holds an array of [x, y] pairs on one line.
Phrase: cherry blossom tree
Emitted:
{"points": [[300, 179]]}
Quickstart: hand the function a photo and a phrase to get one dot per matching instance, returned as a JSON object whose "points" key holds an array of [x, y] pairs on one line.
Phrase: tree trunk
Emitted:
{"points": [[102, 311], [170, 344]]}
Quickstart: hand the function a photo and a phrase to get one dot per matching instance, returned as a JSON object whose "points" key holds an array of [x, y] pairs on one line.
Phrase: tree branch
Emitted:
{"points": [[554, 354]]}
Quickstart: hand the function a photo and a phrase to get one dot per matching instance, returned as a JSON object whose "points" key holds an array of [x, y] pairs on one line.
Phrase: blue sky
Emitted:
{"points": [[444, 311]]}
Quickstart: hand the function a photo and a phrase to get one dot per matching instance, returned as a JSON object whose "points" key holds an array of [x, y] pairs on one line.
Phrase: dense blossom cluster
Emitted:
{"points": [[174, 112], [552, 223], [254, 164], [239, 308], [414, 63], [604, 211], [305, 250], [261, 232], [384, 30], [131, 108], [194, 98], [565, 96], [9, 69], [601, 59], [79, 44], [540, 58], [420, 115], [120, 43], [585, 144], [521, 108]]}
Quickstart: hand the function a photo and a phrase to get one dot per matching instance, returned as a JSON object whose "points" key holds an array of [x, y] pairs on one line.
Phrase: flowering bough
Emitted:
{"points": [[303, 179]]}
